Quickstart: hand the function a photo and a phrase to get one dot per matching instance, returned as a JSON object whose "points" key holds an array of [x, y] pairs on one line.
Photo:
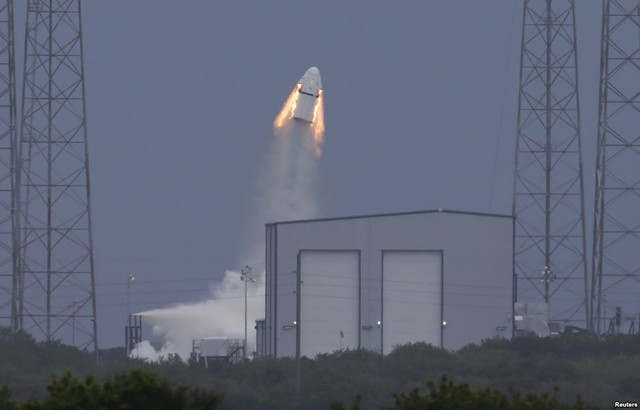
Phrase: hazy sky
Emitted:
{"points": [[420, 112]]}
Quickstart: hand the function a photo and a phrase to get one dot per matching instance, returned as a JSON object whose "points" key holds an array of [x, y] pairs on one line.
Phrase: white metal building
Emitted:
{"points": [[378, 281]]}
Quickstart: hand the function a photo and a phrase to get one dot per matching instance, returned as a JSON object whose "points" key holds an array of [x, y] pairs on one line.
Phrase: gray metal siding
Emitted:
{"points": [[478, 272], [270, 290]]}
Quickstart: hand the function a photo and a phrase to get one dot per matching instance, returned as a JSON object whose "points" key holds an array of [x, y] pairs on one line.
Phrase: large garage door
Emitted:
{"points": [[329, 301], [411, 298]]}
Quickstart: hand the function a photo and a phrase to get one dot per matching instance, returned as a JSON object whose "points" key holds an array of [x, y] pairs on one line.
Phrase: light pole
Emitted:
{"points": [[130, 279], [244, 276]]}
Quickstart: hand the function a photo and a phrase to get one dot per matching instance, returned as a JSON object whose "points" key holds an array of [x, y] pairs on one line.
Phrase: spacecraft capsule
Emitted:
{"points": [[309, 90]]}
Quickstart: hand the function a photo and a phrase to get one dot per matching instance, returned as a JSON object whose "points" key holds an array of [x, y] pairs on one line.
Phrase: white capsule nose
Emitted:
{"points": [[314, 71], [311, 80]]}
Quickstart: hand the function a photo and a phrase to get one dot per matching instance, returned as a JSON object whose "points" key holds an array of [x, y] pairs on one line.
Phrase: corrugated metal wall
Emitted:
{"points": [[474, 295]]}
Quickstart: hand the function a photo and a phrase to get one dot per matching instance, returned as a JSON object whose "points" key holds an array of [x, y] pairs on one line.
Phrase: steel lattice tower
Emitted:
{"points": [[56, 252], [548, 203], [8, 158], [616, 269]]}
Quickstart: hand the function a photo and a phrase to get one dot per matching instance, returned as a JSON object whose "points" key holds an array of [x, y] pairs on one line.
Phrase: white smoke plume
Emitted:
{"points": [[222, 315], [286, 192]]}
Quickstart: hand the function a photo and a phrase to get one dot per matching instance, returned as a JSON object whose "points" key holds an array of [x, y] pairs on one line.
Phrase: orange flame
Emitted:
{"points": [[318, 124], [287, 109]]}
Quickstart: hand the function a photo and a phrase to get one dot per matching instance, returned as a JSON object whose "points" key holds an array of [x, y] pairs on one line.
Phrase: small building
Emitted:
{"points": [[378, 281], [210, 349]]}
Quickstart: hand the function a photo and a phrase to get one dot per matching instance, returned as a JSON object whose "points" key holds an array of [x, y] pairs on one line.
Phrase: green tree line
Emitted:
{"points": [[600, 371], [143, 389]]}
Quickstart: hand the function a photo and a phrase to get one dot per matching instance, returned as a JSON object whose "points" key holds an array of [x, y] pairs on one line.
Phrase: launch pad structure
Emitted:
{"points": [[8, 163], [47, 273], [615, 282], [548, 197], [551, 257]]}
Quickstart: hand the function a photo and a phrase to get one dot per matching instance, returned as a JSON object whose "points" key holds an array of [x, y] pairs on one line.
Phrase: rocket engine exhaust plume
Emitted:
{"points": [[286, 113], [318, 124], [286, 190], [305, 104]]}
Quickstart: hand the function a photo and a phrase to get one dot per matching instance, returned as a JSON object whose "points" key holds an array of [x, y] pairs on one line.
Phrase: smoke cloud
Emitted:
{"points": [[286, 192]]}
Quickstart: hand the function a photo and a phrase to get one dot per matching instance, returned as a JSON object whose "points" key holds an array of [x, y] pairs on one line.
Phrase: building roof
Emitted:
{"points": [[393, 214]]}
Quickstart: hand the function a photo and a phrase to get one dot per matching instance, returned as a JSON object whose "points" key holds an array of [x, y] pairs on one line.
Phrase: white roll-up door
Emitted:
{"points": [[411, 298], [329, 301]]}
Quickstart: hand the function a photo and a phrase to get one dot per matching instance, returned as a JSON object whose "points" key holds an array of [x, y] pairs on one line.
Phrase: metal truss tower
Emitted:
{"points": [[548, 202], [8, 158], [56, 254], [616, 264]]}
